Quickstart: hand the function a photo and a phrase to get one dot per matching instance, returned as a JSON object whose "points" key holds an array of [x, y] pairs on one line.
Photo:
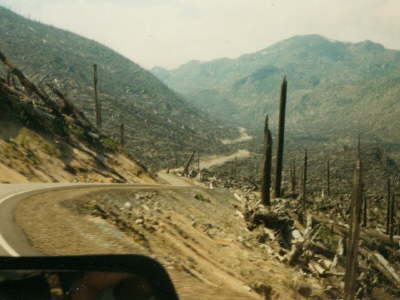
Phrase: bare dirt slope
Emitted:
{"points": [[29, 156], [45, 138], [197, 234]]}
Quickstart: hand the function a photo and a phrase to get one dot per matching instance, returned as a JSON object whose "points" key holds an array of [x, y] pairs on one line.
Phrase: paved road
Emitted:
{"points": [[13, 241]]}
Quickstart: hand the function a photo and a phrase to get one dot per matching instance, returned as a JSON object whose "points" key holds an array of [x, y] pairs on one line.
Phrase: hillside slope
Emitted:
{"points": [[45, 139], [158, 122], [334, 87]]}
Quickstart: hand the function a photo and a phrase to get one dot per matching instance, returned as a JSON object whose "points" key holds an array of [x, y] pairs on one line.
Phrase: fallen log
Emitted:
{"points": [[382, 265], [299, 247], [339, 253], [70, 109], [372, 239], [315, 246], [29, 86]]}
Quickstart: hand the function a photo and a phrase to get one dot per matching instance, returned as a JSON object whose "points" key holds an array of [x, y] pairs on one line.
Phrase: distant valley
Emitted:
{"points": [[336, 89], [159, 124]]}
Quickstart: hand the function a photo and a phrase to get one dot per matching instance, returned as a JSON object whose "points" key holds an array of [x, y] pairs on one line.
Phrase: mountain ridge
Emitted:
{"points": [[327, 80], [154, 115]]}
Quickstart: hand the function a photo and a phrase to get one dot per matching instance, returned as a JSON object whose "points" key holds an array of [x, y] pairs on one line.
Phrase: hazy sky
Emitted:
{"points": [[171, 32]]}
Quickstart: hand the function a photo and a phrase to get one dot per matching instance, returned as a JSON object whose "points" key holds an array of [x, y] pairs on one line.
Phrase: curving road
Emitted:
{"points": [[13, 241]]}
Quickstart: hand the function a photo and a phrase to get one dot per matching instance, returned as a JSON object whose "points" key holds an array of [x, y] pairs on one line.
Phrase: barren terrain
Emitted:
{"points": [[28, 156], [198, 234]]}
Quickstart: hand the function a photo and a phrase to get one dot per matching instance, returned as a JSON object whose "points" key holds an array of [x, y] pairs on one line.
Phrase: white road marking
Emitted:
{"points": [[3, 243], [12, 252]]}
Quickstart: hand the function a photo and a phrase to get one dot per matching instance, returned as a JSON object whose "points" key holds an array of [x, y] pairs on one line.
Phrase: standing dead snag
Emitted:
{"points": [[186, 169], [328, 178], [293, 176], [365, 206], [304, 182], [392, 217], [266, 171], [281, 139], [354, 235], [96, 99], [198, 162], [9, 77], [388, 207]]}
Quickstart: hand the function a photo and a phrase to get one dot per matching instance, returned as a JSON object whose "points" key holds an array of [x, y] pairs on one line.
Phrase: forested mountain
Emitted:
{"points": [[158, 122], [336, 89]]}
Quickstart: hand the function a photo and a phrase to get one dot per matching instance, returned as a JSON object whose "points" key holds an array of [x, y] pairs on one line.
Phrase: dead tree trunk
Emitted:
{"points": [[28, 85], [281, 139], [266, 170], [293, 176], [385, 268], [235, 168], [122, 135], [392, 217], [365, 206], [353, 235], [176, 160], [304, 182], [96, 99], [70, 109], [328, 179], [198, 162], [13, 82], [9, 77], [388, 207], [188, 163]]}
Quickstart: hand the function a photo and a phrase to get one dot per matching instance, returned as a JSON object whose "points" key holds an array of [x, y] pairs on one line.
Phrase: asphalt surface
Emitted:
{"points": [[13, 241]]}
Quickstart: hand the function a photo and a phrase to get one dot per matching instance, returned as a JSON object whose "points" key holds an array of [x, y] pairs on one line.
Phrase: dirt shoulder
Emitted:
{"points": [[196, 233]]}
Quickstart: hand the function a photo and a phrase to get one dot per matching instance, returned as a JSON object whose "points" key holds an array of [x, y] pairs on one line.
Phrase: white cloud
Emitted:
{"points": [[171, 32]]}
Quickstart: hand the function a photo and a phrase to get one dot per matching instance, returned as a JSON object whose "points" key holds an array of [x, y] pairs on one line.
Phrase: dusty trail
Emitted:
{"points": [[217, 160], [244, 136], [220, 160], [208, 162]]}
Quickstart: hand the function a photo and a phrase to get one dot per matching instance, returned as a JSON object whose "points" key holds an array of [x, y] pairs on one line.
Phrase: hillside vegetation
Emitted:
{"points": [[336, 89], [158, 122]]}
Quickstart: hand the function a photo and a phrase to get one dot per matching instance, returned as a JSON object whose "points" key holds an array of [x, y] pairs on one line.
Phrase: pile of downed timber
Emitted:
{"points": [[45, 105], [316, 244], [211, 179]]}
